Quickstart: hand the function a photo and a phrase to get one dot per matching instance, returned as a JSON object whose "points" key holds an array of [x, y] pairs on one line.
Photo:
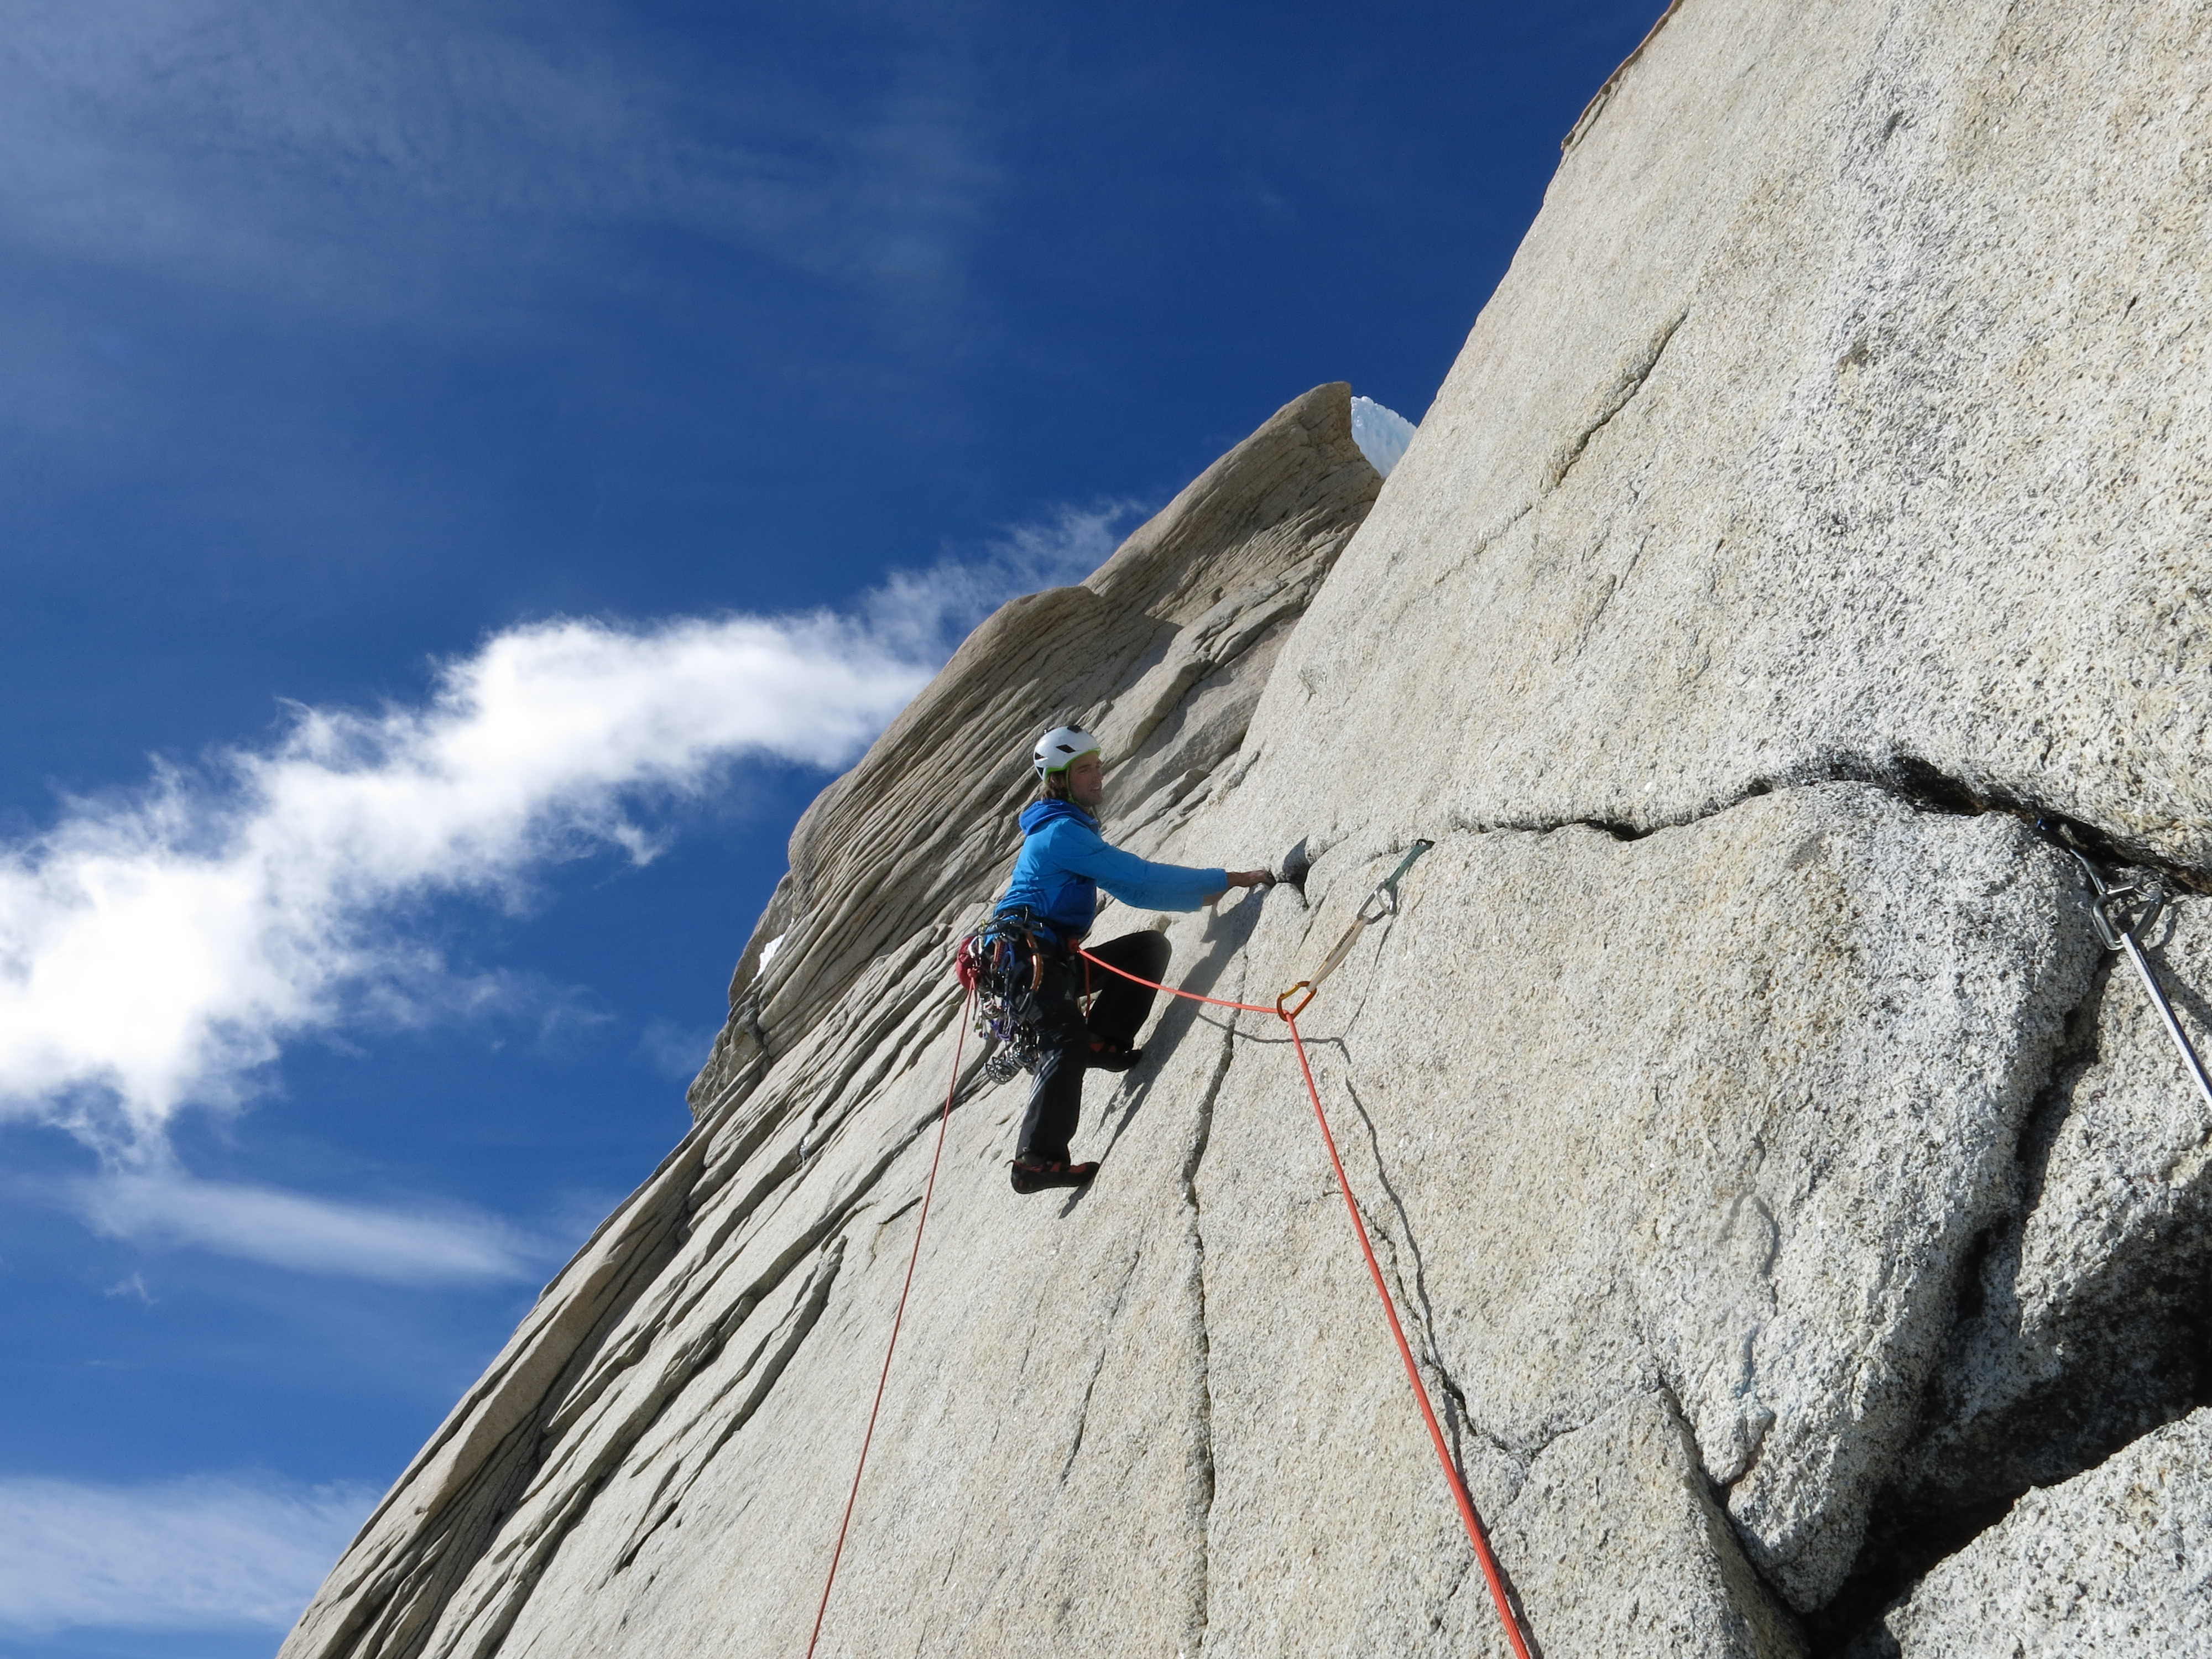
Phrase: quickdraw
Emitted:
{"points": [[1382, 901], [2120, 909], [1002, 964]]}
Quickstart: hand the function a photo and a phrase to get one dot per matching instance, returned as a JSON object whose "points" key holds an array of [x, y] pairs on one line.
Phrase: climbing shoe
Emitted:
{"points": [[1107, 1055], [1035, 1175]]}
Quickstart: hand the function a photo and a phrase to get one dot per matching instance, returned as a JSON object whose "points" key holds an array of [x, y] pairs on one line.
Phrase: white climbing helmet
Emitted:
{"points": [[1060, 748]]}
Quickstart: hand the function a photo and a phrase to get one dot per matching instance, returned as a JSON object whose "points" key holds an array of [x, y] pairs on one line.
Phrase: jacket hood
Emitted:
{"points": [[1039, 813]]}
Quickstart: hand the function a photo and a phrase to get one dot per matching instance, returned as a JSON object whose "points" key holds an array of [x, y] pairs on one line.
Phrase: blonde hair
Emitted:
{"points": [[1055, 788]]}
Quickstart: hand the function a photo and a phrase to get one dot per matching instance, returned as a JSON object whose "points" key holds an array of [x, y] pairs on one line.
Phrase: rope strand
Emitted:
{"points": [[1475, 1534], [1472, 1521], [891, 1347]]}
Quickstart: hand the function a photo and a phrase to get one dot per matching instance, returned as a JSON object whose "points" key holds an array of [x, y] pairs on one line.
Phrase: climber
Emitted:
{"points": [[1054, 892]]}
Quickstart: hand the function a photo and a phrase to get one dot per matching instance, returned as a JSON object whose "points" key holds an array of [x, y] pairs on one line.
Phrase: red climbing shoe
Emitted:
{"points": [[1035, 1175], [1107, 1055]]}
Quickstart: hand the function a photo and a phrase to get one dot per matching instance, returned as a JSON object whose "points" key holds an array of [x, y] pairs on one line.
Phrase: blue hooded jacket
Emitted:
{"points": [[1064, 861]]}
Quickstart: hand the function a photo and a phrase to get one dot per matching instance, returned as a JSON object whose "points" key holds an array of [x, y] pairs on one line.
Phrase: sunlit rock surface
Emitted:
{"points": [[1775, 1177], [2117, 1560]]}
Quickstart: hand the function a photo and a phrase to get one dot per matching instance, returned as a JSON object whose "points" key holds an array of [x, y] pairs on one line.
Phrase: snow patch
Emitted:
{"points": [[1381, 433]]}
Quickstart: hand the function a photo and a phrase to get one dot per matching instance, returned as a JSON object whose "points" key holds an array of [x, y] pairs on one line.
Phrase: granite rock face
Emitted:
{"points": [[609, 1427], [2087, 1324], [1839, 416], [2117, 1560], [1755, 1190], [1801, 1223]]}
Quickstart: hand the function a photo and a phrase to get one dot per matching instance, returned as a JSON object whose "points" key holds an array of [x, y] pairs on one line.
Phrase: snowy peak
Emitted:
{"points": [[1381, 433]]}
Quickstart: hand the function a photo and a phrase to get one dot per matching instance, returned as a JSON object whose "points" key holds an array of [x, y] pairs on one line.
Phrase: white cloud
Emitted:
{"points": [[677, 1052], [397, 1246], [208, 1552], [919, 611], [159, 949]]}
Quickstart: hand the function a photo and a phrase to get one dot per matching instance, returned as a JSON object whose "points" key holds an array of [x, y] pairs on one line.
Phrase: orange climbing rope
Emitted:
{"points": [[1472, 1521], [1468, 1519], [851, 1498]]}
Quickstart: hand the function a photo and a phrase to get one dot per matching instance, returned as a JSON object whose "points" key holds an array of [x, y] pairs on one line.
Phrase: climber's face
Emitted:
{"points": [[1086, 781]]}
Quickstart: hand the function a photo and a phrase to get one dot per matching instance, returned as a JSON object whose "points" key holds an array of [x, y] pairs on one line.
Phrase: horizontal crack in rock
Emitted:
{"points": [[1905, 777]]}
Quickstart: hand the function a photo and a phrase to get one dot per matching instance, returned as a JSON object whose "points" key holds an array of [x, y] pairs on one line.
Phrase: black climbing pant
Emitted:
{"points": [[1117, 1015]]}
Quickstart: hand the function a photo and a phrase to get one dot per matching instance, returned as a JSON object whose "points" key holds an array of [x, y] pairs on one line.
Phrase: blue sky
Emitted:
{"points": [[468, 474]]}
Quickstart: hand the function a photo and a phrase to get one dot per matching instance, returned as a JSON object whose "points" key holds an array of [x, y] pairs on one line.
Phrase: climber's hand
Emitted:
{"points": [[1251, 877]]}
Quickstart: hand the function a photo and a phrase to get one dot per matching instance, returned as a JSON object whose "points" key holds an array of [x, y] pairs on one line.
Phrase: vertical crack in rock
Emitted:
{"points": [[2006, 1410], [1090, 1385], [1756, 1600], [1458, 1419], [1202, 1467]]}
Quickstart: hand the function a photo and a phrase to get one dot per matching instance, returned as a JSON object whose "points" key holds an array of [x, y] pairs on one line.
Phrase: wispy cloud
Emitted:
{"points": [[677, 1052], [394, 1245], [378, 158], [159, 949], [921, 610], [208, 1552]]}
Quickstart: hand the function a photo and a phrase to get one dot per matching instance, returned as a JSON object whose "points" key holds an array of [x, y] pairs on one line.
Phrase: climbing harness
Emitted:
{"points": [[1001, 965], [929, 1188], [2113, 910], [986, 970], [1382, 901]]}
